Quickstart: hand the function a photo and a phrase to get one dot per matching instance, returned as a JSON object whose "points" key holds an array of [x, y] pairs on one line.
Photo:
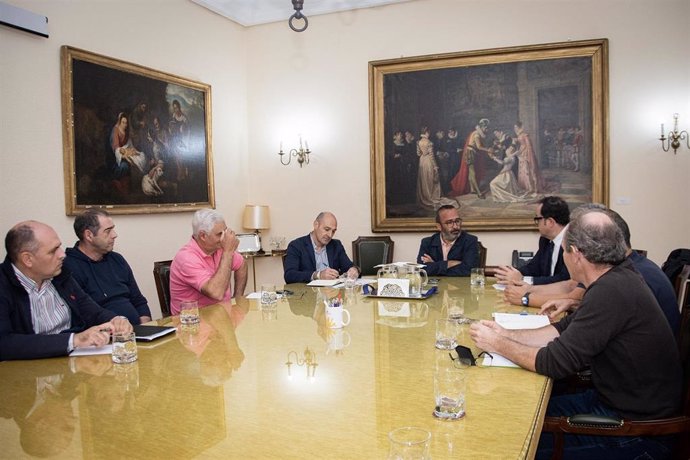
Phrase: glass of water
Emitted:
{"points": [[124, 348], [189, 312], [477, 277], [446, 334], [449, 392]]}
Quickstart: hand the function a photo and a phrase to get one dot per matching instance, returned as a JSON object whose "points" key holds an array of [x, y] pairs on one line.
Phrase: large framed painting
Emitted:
{"points": [[135, 140], [491, 131]]}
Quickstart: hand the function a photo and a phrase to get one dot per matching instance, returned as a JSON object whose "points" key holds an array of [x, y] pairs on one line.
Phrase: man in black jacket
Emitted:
{"points": [[547, 264], [451, 251], [43, 311]]}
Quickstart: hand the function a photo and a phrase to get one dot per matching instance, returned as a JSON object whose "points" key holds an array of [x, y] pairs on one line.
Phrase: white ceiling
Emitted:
{"points": [[253, 12]]}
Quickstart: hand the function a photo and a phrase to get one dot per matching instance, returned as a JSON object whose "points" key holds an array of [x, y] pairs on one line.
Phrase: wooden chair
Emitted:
{"points": [[482, 254], [369, 251], [161, 273], [683, 288], [609, 426]]}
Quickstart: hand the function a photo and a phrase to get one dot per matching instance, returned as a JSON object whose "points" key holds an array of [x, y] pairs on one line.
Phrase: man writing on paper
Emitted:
{"points": [[451, 251], [318, 256], [619, 331], [43, 311], [203, 269]]}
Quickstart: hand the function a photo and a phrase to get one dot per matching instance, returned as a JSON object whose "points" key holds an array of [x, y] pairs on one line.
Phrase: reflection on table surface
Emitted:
{"points": [[253, 382]]}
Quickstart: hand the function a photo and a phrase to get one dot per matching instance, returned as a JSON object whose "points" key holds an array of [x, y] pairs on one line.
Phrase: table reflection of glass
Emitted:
{"points": [[226, 387]]}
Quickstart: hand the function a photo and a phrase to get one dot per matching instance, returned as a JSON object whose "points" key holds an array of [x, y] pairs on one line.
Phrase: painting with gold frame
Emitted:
{"points": [[135, 140], [492, 131]]}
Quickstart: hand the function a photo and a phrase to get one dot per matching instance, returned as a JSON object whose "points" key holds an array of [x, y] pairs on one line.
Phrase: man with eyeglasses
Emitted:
{"points": [[450, 252], [547, 264]]}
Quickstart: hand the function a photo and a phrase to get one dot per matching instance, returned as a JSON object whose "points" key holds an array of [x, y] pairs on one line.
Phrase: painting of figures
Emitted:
{"points": [[490, 131], [135, 140]]}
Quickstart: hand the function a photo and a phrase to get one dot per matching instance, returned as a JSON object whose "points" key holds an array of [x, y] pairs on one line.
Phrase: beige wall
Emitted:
{"points": [[269, 83]]}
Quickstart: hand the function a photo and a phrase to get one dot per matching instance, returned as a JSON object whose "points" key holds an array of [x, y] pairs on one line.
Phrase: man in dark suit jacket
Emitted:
{"points": [[547, 266], [43, 311], [451, 251], [317, 255]]}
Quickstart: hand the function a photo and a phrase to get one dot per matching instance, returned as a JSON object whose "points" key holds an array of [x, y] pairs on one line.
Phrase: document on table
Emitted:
{"points": [[88, 351], [514, 321], [322, 283]]}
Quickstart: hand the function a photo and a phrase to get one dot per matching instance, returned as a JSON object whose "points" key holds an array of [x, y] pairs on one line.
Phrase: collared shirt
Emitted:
{"points": [[320, 255], [191, 269], [445, 247], [556, 249], [49, 313]]}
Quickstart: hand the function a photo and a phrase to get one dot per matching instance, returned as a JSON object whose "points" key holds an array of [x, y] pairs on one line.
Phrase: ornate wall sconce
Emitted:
{"points": [[308, 358], [674, 137], [302, 154]]}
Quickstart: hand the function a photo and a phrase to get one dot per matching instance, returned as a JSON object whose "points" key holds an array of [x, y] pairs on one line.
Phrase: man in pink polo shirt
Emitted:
{"points": [[202, 269]]}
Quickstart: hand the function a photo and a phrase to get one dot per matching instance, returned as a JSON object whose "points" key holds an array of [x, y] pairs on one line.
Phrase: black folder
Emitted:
{"points": [[149, 333]]}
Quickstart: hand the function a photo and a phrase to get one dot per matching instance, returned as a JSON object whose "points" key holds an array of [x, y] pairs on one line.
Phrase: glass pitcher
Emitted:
{"points": [[418, 279], [387, 271]]}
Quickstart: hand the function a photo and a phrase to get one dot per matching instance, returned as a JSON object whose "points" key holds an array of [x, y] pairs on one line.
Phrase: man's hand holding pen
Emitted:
{"points": [[97, 336]]}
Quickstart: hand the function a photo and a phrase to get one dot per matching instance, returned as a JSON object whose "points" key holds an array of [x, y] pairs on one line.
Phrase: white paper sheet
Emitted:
{"points": [[104, 350], [514, 321]]}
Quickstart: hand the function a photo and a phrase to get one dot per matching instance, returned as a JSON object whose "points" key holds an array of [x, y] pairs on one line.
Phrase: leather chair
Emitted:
{"points": [[642, 252], [369, 251], [683, 288], [607, 426], [161, 273]]}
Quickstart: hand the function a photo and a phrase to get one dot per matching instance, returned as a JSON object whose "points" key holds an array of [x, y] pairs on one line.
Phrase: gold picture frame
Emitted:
{"points": [[135, 140], [539, 112]]}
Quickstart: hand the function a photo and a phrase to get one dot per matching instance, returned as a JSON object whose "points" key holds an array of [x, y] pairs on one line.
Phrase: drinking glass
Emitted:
{"points": [[456, 308], [446, 334], [409, 443], [449, 392], [189, 312], [124, 348], [268, 294], [477, 277]]}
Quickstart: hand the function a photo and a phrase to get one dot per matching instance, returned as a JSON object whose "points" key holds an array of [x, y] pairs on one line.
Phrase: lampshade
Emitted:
{"points": [[256, 217]]}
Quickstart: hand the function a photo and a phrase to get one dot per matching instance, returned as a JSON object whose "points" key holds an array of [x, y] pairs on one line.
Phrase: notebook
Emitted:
{"points": [[149, 333]]}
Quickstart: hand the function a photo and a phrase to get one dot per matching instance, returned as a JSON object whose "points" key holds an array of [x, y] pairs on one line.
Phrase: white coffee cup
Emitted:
{"points": [[334, 317]]}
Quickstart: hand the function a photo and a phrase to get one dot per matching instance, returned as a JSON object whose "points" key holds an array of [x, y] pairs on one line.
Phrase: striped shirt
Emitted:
{"points": [[321, 257], [49, 313]]}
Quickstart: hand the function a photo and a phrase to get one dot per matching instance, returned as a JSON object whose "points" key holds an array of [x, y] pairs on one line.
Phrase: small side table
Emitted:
{"points": [[254, 255]]}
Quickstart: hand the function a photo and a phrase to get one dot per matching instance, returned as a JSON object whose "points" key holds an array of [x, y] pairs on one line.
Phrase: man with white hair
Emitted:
{"points": [[203, 268]]}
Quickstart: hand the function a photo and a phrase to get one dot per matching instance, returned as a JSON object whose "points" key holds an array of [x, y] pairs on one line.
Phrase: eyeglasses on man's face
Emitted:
{"points": [[450, 223], [537, 219]]}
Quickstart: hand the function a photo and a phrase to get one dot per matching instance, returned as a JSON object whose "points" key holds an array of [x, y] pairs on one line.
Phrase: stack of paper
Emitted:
{"points": [[514, 321]]}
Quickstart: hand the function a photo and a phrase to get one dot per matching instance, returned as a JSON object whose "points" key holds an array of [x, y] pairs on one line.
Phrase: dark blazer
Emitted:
{"points": [[18, 340], [539, 268], [464, 249], [300, 262]]}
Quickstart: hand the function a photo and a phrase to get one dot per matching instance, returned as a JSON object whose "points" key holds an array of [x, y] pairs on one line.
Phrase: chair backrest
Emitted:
{"points": [[369, 251], [642, 252], [683, 287], [482, 254], [161, 273]]}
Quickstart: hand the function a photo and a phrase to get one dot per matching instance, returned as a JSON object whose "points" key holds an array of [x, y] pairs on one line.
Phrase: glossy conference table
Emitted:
{"points": [[249, 383]]}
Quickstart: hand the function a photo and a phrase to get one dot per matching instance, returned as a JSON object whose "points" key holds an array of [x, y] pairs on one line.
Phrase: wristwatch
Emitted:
{"points": [[525, 299]]}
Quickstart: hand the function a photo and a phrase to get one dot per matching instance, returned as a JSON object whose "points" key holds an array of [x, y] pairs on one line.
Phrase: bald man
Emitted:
{"points": [[318, 255], [43, 311]]}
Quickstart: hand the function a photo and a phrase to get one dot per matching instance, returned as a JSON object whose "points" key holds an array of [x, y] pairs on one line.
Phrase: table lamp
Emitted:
{"points": [[256, 218]]}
